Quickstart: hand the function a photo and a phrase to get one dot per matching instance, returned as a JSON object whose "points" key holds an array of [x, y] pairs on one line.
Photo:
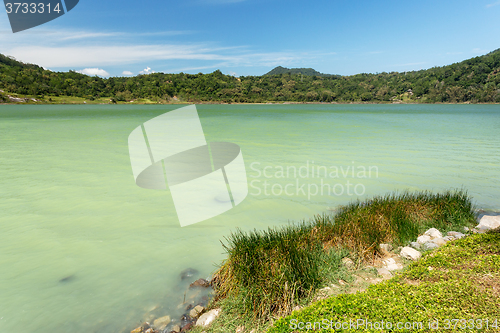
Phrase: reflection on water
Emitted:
{"points": [[83, 249]]}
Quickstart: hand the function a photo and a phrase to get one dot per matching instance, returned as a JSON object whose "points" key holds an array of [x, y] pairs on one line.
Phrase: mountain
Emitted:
{"points": [[304, 71], [475, 80]]}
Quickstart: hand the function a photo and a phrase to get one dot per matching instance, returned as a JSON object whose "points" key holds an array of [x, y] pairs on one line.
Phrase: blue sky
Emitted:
{"points": [[250, 37]]}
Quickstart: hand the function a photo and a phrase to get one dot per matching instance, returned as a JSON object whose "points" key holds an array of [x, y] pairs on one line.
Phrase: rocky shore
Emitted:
{"points": [[194, 308]]}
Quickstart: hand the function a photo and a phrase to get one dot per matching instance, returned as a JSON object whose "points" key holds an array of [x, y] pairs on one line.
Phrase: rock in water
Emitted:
{"points": [[67, 278], [195, 312], [161, 322], [200, 283], [410, 253], [188, 272]]}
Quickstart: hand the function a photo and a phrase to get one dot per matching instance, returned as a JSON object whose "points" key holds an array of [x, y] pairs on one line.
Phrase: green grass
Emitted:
{"points": [[267, 273], [460, 280]]}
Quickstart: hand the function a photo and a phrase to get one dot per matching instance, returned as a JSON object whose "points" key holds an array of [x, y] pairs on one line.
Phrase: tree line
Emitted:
{"points": [[475, 80]]}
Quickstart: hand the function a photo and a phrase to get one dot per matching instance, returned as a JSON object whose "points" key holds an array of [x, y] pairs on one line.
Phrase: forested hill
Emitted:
{"points": [[473, 80], [304, 71]]}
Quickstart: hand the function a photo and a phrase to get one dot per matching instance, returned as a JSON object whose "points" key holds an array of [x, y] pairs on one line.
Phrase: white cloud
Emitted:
{"points": [[65, 49], [75, 56], [127, 73], [493, 4], [147, 71], [94, 71]]}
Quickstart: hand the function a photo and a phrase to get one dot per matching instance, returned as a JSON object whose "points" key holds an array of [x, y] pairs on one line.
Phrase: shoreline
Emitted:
{"points": [[239, 103], [358, 277]]}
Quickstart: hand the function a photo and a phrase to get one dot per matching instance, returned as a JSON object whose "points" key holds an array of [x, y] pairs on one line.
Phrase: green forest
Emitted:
{"points": [[476, 80]]}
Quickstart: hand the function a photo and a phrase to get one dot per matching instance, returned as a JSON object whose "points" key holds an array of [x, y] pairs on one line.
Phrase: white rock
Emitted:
{"points": [[423, 239], [439, 241], [458, 235], [392, 265], [410, 253], [429, 246], [384, 272], [386, 247], [208, 317], [489, 222], [448, 238], [416, 245], [433, 233]]}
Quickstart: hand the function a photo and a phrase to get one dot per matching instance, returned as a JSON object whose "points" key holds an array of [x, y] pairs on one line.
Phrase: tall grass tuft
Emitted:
{"points": [[271, 271]]}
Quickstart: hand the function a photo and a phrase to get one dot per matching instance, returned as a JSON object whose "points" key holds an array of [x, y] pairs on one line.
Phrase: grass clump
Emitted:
{"points": [[460, 281], [269, 272]]}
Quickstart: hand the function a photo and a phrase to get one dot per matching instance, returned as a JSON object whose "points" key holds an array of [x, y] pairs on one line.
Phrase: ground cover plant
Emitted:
{"points": [[267, 273], [453, 289]]}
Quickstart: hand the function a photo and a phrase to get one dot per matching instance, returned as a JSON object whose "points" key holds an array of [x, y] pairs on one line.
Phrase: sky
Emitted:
{"points": [[251, 37]]}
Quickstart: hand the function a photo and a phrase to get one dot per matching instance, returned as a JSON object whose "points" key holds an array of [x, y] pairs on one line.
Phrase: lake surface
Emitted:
{"points": [[83, 249]]}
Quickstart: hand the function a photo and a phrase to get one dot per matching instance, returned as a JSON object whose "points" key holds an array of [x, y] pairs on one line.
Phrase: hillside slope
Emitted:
{"points": [[475, 80]]}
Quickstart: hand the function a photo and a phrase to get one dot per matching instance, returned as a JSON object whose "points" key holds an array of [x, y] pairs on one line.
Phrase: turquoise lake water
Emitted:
{"points": [[83, 249]]}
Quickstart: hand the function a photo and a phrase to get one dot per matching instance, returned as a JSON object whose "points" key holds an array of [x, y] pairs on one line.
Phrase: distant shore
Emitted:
{"points": [[85, 102]]}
